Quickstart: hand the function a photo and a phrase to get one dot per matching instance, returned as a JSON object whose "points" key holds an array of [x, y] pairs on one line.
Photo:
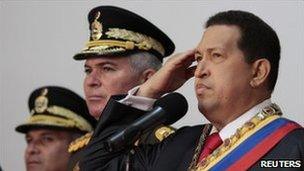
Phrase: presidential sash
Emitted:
{"points": [[250, 143]]}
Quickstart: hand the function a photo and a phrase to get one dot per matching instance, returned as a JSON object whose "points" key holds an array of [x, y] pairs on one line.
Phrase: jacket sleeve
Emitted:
{"points": [[115, 117]]}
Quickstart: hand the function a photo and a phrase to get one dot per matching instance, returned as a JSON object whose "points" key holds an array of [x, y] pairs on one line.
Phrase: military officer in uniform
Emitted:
{"points": [[57, 117], [124, 50]]}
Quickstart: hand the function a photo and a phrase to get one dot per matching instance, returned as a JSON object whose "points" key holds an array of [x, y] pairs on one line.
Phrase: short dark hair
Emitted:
{"points": [[258, 40]]}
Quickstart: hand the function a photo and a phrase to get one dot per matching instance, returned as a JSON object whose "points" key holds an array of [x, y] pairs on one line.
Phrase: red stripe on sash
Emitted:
{"points": [[262, 148]]}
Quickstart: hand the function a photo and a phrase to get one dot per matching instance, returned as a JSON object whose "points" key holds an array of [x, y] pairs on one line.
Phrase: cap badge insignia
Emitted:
{"points": [[41, 102], [96, 27]]}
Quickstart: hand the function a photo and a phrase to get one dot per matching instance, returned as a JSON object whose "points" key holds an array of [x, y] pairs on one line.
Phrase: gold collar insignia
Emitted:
{"points": [[80, 142]]}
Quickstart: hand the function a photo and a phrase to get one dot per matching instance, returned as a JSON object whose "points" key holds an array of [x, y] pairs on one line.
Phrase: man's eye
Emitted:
{"points": [[87, 71], [198, 57], [216, 55], [47, 139], [107, 69], [28, 140]]}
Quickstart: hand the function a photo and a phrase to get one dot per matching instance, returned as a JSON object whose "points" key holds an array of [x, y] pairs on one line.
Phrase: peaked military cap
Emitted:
{"points": [[116, 31], [57, 108]]}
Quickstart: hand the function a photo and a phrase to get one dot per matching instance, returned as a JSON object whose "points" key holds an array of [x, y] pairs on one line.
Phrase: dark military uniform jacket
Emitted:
{"points": [[175, 153], [155, 135]]}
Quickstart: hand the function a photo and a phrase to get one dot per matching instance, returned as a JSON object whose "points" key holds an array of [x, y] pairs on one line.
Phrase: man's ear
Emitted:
{"points": [[260, 72], [146, 75]]}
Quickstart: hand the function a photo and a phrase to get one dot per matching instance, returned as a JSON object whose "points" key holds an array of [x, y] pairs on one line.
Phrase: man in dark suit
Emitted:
{"points": [[236, 72], [57, 117]]}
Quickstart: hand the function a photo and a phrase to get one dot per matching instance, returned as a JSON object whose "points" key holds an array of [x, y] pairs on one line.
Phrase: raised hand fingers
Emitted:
{"points": [[190, 72], [184, 59]]}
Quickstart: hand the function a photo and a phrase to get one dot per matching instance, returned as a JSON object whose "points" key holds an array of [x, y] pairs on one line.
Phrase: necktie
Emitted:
{"points": [[211, 143]]}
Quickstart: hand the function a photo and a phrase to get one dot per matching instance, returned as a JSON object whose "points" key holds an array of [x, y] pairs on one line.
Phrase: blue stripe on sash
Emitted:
{"points": [[249, 143]]}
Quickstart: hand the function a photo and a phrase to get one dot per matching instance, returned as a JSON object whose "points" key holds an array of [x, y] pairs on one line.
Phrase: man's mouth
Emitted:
{"points": [[95, 98], [200, 88], [32, 162]]}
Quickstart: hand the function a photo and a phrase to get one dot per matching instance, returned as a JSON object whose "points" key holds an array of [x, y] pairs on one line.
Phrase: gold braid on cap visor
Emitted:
{"points": [[69, 119], [132, 40]]}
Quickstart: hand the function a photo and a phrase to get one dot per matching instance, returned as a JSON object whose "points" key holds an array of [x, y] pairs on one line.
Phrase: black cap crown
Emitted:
{"points": [[115, 31], [57, 107]]}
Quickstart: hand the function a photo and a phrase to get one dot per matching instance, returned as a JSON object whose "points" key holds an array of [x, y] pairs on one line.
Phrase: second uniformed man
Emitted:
{"points": [[124, 51], [57, 117]]}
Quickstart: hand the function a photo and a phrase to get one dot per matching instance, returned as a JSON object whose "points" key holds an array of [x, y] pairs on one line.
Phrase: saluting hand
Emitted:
{"points": [[175, 72]]}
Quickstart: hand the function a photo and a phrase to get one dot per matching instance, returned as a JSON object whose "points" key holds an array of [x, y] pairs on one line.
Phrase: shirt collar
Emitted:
{"points": [[231, 128]]}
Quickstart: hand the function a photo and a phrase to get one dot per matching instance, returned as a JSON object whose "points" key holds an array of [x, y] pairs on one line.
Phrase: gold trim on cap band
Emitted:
{"points": [[110, 43], [101, 50], [56, 121], [80, 122], [70, 119]]}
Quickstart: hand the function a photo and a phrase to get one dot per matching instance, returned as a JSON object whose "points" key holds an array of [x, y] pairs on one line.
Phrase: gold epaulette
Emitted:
{"points": [[80, 142], [163, 132]]}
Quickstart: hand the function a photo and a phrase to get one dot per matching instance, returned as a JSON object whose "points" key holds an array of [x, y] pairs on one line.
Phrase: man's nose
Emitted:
{"points": [[202, 69], [32, 148], [93, 79]]}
